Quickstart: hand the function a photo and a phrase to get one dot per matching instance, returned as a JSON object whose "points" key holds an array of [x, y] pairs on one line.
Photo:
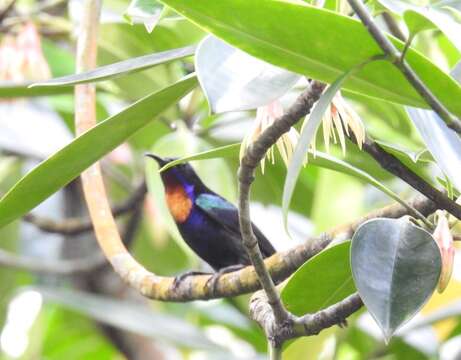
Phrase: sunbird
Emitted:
{"points": [[207, 222]]}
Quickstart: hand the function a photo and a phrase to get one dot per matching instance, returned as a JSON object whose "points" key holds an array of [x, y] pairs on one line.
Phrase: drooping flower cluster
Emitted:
{"points": [[265, 117], [339, 120]]}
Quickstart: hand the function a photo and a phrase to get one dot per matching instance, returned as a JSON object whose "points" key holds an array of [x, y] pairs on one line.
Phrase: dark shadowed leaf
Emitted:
{"points": [[118, 69], [396, 266], [66, 164], [295, 45], [322, 281], [233, 80]]}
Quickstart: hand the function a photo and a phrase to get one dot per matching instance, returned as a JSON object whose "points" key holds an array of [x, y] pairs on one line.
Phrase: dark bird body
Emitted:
{"points": [[207, 222]]}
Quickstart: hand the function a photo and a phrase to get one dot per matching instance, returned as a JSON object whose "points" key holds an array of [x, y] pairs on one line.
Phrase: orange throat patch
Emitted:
{"points": [[178, 203]]}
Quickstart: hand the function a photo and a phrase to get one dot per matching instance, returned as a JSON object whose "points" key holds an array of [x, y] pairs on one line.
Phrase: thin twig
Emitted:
{"points": [[307, 325], [396, 58], [46, 266], [394, 166], [76, 226]]}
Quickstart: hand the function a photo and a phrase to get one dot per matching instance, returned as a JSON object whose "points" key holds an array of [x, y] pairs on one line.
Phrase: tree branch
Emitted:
{"points": [[76, 226], [396, 58], [253, 155], [307, 325]]}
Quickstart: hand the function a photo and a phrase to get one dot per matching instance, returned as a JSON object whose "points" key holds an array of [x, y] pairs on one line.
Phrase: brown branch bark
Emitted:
{"points": [[390, 163], [253, 155]]}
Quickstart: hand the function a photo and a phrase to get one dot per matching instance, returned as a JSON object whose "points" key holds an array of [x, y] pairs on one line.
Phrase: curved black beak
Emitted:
{"points": [[160, 161]]}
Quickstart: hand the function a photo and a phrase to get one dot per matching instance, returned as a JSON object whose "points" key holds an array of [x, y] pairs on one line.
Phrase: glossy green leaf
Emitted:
{"points": [[58, 170], [321, 281], [396, 267], [118, 69], [308, 40]]}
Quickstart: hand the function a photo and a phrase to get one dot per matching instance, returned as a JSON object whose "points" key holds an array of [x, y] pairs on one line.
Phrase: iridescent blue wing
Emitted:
{"points": [[226, 214]]}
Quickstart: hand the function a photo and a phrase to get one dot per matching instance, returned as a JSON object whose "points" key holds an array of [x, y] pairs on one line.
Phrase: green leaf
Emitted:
{"points": [[220, 152], [319, 44], [321, 281], [58, 170], [396, 267], [10, 89], [119, 68]]}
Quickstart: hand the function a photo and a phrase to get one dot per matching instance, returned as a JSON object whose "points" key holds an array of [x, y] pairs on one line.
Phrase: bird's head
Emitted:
{"points": [[182, 174]]}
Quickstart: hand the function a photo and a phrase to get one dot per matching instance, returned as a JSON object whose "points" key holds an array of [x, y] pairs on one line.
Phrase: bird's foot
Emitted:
{"points": [[180, 278], [213, 280]]}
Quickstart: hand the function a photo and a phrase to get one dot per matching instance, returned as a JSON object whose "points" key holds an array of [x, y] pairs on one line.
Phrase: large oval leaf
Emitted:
{"points": [[322, 281], [317, 43], [396, 267], [65, 165], [233, 80]]}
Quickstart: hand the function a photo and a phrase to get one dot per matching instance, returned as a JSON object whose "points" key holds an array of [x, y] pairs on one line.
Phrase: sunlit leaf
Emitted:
{"points": [[59, 169], [233, 80], [396, 267], [295, 45]]}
